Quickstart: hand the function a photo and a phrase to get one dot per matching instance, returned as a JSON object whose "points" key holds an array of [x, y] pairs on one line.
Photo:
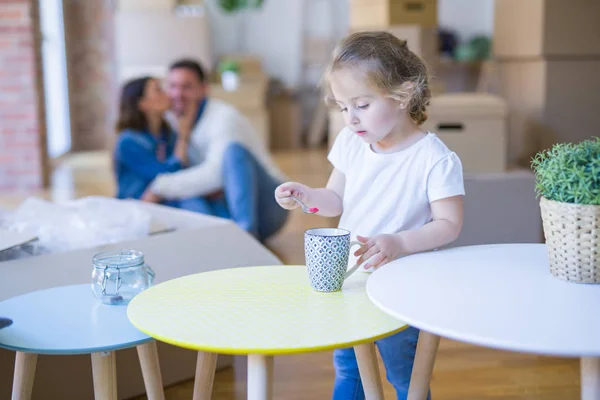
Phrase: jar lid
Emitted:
{"points": [[118, 259]]}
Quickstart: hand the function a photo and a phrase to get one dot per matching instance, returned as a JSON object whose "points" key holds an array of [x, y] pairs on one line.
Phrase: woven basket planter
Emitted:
{"points": [[572, 233]]}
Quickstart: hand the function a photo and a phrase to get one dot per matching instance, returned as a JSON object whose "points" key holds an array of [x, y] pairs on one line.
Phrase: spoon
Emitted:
{"points": [[305, 209]]}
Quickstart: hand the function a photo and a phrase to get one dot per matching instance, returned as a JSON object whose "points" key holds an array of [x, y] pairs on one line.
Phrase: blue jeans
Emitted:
{"points": [[249, 196], [398, 354]]}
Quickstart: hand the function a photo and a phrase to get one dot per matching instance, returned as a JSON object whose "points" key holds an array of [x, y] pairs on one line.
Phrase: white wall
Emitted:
{"points": [[276, 31], [467, 17]]}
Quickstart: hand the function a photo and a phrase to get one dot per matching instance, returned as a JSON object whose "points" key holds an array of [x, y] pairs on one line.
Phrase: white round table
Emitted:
{"points": [[500, 296], [70, 320]]}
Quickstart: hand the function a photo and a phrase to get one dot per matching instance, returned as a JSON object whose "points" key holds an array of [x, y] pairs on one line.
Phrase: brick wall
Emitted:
{"points": [[21, 119], [89, 29]]}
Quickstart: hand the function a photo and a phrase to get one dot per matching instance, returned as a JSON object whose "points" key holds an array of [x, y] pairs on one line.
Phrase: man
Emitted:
{"points": [[229, 167]]}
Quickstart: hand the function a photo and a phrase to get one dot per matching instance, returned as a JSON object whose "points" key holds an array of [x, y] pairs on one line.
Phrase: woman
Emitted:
{"points": [[146, 146]]}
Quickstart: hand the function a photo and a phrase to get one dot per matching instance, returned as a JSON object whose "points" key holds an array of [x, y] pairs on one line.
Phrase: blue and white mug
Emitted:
{"points": [[327, 251]]}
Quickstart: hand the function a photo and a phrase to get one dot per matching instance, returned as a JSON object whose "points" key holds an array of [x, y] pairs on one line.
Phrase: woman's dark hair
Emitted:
{"points": [[130, 115]]}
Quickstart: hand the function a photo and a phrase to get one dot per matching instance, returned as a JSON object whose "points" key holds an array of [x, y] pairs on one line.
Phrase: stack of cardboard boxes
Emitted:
{"points": [[250, 96], [547, 56], [546, 63]]}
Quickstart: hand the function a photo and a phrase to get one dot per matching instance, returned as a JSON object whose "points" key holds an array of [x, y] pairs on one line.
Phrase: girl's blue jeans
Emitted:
{"points": [[398, 355]]}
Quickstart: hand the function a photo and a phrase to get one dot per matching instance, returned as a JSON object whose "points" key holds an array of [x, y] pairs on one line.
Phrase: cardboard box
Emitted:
{"points": [[421, 40], [199, 243], [249, 65], [286, 122], [251, 93], [547, 28], [250, 97], [473, 125], [549, 102], [501, 208], [259, 119], [384, 13]]}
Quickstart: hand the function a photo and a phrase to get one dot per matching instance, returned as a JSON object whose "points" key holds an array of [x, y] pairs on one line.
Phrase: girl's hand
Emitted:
{"points": [[383, 249], [284, 191]]}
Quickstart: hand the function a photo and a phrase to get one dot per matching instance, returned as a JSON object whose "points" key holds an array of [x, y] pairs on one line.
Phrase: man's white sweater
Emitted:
{"points": [[220, 125]]}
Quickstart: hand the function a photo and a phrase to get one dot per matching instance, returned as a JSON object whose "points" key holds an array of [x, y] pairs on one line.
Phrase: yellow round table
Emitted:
{"points": [[262, 312]]}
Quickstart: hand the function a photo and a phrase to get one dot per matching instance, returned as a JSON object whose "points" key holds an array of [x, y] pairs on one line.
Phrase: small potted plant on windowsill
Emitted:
{"points": [[568, 182]]}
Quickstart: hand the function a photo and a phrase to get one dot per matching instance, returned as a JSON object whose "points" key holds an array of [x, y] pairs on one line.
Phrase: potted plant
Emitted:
{"points": [[231, 6], [229, 71], [568, 182]]}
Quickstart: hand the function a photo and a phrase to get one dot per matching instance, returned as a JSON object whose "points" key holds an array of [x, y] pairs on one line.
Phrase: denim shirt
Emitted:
{"points": [[136, 163]]}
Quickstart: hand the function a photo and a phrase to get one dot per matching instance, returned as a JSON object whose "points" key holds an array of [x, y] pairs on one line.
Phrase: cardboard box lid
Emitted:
{"points": [[467, 105]]}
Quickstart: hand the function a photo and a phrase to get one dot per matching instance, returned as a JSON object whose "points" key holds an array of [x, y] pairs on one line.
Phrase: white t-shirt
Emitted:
{"points": [[392, 192]]}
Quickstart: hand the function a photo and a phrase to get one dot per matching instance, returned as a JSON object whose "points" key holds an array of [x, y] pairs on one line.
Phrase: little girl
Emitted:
{"points": [[397, 188]]}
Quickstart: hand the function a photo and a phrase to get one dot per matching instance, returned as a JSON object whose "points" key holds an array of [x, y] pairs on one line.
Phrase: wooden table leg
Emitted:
{"points": [[104, 370], [260, 377], [205, 375], [590, 378], [24, 374], [366, 356], [423, 367], [148, 354]]}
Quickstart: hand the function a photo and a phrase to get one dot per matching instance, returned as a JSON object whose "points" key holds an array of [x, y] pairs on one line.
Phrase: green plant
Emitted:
{"points": [[231, 6], [569, 172], [228, 65]]}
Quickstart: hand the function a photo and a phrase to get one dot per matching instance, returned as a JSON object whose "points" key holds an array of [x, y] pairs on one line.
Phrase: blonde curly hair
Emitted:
{"points": [[390, 66]]}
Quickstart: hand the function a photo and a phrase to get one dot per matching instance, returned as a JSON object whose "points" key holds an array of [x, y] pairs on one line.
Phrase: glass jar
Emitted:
{"points": [[119, 275]]}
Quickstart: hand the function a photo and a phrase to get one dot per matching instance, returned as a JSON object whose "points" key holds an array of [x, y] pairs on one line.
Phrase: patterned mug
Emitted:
{"points": [[327, 251]]}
